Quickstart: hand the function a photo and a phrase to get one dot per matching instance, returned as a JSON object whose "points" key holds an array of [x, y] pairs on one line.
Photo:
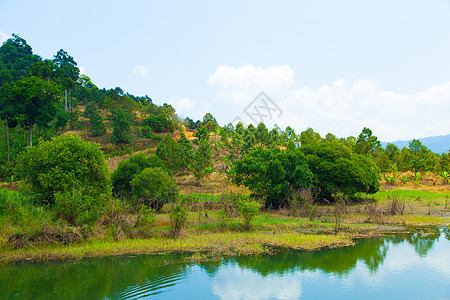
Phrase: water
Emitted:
{"points": [[400, 267]]}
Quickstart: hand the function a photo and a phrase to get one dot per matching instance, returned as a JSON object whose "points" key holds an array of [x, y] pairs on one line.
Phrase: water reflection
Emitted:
{"points": [[378, 265]]}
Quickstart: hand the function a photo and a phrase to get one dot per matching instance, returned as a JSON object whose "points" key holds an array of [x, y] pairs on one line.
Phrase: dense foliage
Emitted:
{"points": [[272, 174], [153, 187], [129, 168], [65, 163], [337, 169]]}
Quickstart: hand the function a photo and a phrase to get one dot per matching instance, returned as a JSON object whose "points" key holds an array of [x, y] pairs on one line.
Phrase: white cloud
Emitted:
{"points": [[340, 108], [3, 37], [183, 106], [232, 282], [237, 84], [140, 70]]}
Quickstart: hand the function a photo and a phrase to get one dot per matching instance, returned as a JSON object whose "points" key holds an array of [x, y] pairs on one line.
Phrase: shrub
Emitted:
{"points": [[64, 164], [304, 199], [272, 174], [248, 210], [178, 216], [159, 123], [122, 121], [153, 187], [77, 208], [337, 168], [127, 169]]}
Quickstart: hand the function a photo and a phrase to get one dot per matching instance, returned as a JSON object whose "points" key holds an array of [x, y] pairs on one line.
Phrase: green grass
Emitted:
{"points": [[223, 243], [412, 195]]}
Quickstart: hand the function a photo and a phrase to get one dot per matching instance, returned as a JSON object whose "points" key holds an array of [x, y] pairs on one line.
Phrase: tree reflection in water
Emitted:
{"points": [[130, 276]]}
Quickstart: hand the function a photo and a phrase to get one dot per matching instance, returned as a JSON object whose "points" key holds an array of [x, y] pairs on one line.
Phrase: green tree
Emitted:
{"points": [[202, 160], [129, 168], [309, 136], [122, 121], [34, 101], [69, 74], [338, 169], [261, 134], [170, 153], [272, 174], [159, 123], [249, 141], [154, 188], [65, 164], [186, 151], [367, 144], [201, 134], [95, 119], [209, 122]]}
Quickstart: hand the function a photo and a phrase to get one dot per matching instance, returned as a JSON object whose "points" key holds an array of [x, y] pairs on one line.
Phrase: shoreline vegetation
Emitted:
{"points": [[89, 171], [212, 237]]}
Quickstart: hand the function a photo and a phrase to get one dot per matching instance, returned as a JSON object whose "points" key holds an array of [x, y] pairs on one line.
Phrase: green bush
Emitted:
{"points": [[159, 123], [178, 216], [78, 208], [153, 187], [337, 168], [64, 164], [127, 169], [248, 210], [272, 174]]}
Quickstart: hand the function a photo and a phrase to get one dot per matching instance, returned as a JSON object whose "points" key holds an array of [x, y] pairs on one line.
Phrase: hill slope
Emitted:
{"points": [[438, 144]]}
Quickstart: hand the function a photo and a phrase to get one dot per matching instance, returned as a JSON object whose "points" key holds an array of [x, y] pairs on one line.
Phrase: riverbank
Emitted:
{"points": [[207, 241]]}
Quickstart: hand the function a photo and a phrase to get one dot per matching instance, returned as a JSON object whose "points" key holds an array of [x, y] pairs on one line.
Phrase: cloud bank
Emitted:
{"points": [[339, 107]]}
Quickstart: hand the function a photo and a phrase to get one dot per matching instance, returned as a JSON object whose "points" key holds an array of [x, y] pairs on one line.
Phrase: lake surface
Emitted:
{"points": [[396, 267]]}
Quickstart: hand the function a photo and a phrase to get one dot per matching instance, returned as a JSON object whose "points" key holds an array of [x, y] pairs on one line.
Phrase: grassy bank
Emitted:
{"points": [[210, 234]]}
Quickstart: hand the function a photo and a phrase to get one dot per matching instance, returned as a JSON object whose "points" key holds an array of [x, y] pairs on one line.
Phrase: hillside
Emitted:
{"points": [[437, 144]]}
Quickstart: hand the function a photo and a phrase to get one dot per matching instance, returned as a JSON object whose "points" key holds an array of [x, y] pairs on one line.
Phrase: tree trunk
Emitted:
{"points": [[70, 100], [31, 135], [7, 139], [65, 99]]}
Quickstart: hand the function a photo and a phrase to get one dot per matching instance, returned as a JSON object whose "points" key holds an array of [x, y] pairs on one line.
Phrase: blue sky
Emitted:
{"points": [[335, 66]]}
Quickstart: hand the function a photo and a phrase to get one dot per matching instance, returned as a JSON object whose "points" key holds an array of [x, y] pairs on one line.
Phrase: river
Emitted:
{"points": [[395, 267]]}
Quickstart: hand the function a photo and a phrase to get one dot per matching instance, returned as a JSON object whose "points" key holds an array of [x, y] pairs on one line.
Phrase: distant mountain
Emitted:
{"points": [[437, 144]]}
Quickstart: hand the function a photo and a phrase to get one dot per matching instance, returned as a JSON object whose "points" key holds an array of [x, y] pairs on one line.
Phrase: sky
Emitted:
{"points": [[334, 66]]}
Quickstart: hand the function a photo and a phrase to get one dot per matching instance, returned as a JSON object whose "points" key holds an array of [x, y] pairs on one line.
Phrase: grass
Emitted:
{"points": [[223, 243], [208, 233]]}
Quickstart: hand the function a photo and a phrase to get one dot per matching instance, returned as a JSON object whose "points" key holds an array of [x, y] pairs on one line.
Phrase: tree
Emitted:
{"points": [[65, 164], [417, 156], [153, 187], [290, 137], [261, 134], [249, 141], [159, 123], [367, 144], [17, 59], [169, 152], [202, 134], [337, 169], [309, 136], [202, 161], [209, 122], [186, 151], [272, 174], [95, 119], [122, 120], [34, 102], [69, 74], [129, 168]]}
